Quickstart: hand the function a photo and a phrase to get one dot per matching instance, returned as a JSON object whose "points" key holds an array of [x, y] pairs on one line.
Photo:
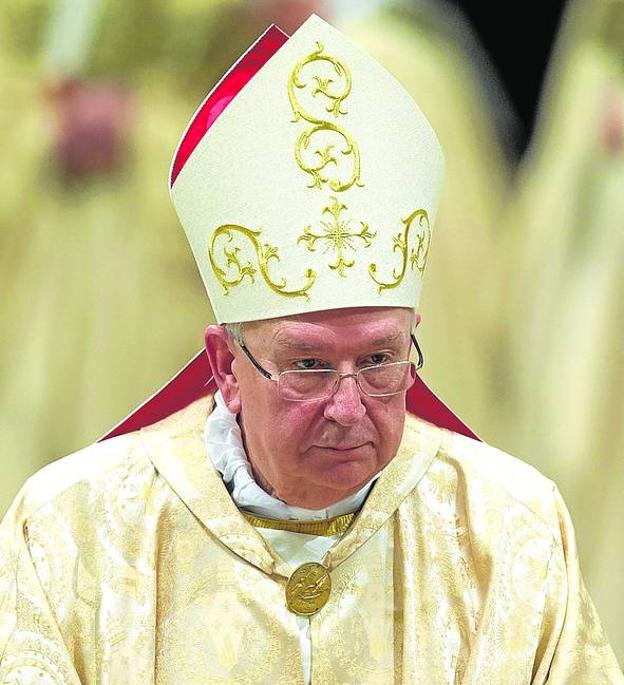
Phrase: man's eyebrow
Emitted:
{"points": [[388, 339], [307, 346], [296, 345]]}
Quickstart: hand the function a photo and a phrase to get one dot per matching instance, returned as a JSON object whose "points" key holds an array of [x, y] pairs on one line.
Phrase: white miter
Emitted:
{"points": [[316, 187]]}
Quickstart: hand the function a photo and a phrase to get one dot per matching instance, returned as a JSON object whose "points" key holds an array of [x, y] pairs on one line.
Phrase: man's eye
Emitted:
{"points": [[306, 364], [374, 359]]}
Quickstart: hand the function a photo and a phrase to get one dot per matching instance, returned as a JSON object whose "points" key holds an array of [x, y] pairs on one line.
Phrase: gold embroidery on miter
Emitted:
{"points": [[335, 232], [264, 252], [326, 155], [338, 236], [418, 255]]}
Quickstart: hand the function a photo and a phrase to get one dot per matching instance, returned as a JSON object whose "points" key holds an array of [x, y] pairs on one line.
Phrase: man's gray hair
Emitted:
{"points": [[234, 331]]}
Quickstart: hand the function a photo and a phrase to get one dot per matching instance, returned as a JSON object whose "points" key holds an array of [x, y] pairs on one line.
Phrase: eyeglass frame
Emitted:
{"points": [[269, 376]]}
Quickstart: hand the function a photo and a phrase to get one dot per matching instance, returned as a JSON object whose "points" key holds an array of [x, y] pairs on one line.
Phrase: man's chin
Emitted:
{"points": [[343, 477], [333, 485]]}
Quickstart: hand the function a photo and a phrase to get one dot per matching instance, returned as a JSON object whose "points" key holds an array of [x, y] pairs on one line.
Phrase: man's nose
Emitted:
{"points": [[345, 405]]}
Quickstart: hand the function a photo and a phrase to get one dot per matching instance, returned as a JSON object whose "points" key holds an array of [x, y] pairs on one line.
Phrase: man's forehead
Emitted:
{"points": [[300, 341], [374, 325]]}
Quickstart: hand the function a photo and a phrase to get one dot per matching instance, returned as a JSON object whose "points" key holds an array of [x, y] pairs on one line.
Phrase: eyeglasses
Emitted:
{"points": [[380, 380]]}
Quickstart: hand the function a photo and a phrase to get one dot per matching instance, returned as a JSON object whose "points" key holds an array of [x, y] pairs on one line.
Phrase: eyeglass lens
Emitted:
{"points": [[376, 381]]}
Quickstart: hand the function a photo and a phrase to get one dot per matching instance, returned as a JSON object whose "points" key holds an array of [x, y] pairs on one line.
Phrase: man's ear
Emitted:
{"points": [[221, 357], [416, 319]]}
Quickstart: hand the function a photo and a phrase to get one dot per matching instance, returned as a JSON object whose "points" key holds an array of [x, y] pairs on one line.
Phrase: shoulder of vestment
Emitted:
{"points": [[83, 473], [119, 467], [488, 477]]}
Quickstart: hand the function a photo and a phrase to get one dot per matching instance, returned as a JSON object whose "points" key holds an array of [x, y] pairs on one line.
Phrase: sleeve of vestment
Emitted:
{"points": [[573, 647], [32, 650]]}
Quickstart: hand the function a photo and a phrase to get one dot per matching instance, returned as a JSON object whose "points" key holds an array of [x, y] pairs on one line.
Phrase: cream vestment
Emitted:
{"points": [[129, 562]]}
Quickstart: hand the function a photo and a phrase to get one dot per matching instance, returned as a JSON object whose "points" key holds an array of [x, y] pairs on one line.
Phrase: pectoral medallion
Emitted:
{"points": [[308, 588]]}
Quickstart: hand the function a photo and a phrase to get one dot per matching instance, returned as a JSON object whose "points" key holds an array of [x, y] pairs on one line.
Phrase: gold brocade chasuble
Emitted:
{"points": [[128, 563]]}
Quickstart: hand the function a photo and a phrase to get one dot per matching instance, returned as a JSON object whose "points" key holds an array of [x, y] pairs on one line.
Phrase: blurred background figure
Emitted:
{"points": [[522, 306], [101, 299], [565, 295]]}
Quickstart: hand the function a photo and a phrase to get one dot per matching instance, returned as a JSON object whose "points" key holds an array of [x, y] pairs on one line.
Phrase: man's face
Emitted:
{"points": [[314, 453]]}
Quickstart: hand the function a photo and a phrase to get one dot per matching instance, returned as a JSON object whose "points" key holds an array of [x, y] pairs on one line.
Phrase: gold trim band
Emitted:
{"points": [[334, 526]]}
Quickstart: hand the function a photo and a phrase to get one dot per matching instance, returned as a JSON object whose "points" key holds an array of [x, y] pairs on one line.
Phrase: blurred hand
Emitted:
{"points": [[93, 131], [288, 14], [612, 120]]}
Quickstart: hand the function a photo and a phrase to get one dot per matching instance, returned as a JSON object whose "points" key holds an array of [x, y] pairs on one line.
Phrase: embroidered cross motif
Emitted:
{"points": [[337, 235]]}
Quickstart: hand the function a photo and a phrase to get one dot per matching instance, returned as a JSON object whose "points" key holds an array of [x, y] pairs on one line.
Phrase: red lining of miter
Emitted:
{"points": [[224, 92]]}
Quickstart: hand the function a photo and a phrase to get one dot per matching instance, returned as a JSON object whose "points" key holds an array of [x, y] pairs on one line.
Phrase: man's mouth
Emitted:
{"points": [[342, 448]]}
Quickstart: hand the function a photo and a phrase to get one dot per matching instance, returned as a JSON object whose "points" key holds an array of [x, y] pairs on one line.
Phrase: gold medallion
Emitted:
{"points": [[307, 590]]}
